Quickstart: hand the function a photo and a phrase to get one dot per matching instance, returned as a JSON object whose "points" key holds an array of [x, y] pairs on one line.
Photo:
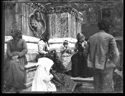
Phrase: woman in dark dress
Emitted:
{"points": [[16, 60], [62, 81], [79, 59]]}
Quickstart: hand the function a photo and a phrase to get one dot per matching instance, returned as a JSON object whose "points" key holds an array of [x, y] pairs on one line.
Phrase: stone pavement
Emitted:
{"points": [[84, 88]]}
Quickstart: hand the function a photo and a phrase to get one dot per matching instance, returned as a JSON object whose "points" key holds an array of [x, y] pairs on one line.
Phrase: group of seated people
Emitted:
{"points": [[54, 72], [76, 64], [15, 73], [88, 59], [62, 68]]}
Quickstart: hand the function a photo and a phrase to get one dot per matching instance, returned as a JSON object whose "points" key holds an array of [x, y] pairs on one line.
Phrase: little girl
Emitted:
{"points": [[66, 55]]}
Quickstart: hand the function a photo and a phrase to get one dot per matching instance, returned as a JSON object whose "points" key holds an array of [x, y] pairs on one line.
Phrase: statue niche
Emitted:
{"points": [[37, 23]]}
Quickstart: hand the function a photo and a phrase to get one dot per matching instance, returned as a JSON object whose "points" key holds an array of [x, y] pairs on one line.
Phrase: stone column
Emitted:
{"points": [[18, 14], [52, 25], [57, 23], [9, 16], [79, 27], [64, 24], [73, 26], [69, 24], [47, 20], [50, 29], [25, 20], [8, 21]]}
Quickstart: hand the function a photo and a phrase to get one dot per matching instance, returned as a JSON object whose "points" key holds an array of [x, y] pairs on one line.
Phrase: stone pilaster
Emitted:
{"points": [[64, 25], [52, 24], [69, 25], [57, 23], [9, 16], [73, 26]]}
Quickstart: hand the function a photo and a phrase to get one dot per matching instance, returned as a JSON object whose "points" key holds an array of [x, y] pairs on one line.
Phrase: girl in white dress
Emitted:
{"points": [[42, 78]]}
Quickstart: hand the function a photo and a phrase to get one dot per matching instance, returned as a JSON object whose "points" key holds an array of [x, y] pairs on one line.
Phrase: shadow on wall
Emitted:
{"points": [[89, 30]]}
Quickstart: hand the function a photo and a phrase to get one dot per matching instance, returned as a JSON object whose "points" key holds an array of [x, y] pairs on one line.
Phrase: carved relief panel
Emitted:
{"points": [[37, 23]]}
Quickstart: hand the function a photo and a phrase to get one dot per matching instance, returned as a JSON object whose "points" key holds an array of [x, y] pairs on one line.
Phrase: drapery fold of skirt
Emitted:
{"points": [[63, 82], [15, 75], [79, 66]]}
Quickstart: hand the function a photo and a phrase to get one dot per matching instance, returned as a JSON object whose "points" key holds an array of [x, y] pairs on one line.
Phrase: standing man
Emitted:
{"points": [[103, 56]]}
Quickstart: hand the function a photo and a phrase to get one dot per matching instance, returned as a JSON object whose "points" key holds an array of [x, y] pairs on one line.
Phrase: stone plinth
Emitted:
{"points": [[30, 72]]}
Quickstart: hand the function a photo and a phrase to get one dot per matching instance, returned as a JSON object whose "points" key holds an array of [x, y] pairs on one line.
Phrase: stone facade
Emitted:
{"points": [[60, 21]]}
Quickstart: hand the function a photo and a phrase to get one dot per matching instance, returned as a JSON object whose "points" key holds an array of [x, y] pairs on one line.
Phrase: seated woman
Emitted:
{"points": [[16, 60], [79, 59], [43, 47], [66, 55], [61, 80], [42, 78]]}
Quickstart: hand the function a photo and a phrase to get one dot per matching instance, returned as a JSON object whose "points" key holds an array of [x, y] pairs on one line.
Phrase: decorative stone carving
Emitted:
{"points": [[37, 23], [62, 25]]}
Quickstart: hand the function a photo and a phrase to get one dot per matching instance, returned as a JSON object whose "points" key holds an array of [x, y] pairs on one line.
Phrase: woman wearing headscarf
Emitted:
{"points": [[16, 60], [42, 78], [79, 59]]}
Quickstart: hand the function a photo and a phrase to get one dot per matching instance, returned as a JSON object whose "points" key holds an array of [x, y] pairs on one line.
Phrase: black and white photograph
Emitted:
{"points": [[62, 46]]}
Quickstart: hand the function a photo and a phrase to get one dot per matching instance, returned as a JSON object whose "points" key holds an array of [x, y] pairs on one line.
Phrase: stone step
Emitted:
{"points": [[30, 72], [89, 79], [31, 65]]}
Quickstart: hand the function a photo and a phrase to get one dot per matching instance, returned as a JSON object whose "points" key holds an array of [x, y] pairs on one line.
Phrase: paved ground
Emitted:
{"points": [[85, 88], [77, 90]]}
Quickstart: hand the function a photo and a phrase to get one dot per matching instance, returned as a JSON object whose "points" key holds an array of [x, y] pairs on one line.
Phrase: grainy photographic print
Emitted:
{"points": [[63, 46]]}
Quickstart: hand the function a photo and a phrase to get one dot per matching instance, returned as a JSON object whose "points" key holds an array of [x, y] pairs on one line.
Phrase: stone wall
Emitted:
{"points": [[9, 18], [18, 14], [62, 24], [26, 10]]}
